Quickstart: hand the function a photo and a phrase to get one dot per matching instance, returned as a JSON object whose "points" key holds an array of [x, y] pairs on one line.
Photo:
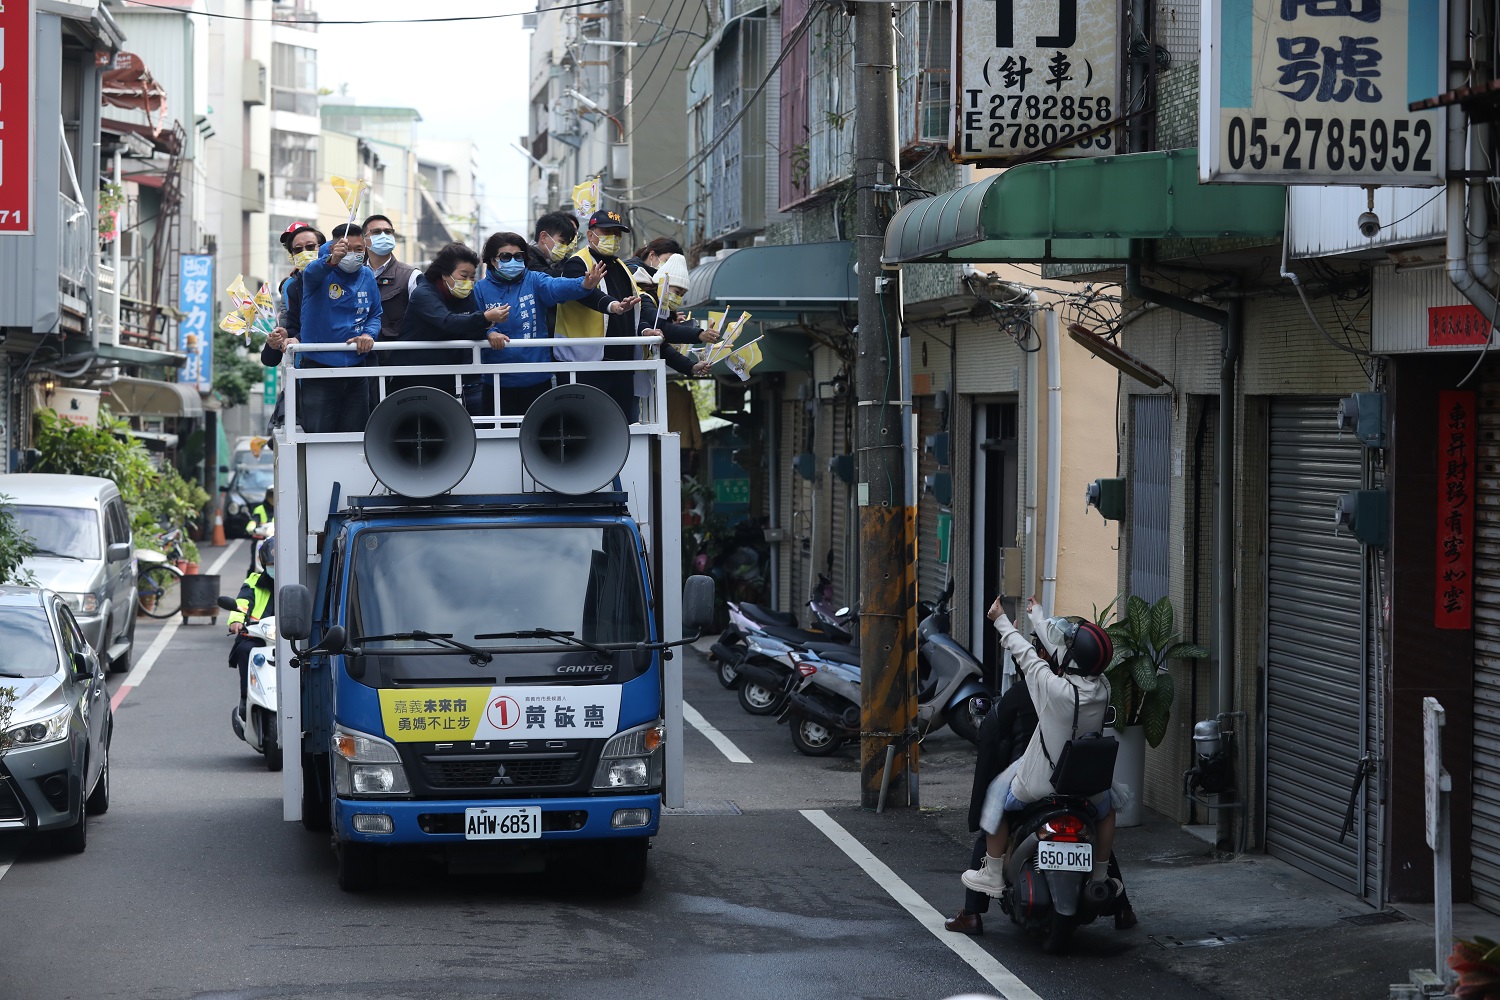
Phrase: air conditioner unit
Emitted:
{"points": [[254, 85], [253, 184], [528, 21]]}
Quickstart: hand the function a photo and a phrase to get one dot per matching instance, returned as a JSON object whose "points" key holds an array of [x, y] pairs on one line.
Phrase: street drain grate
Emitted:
{"points": [[1169, 943], [1372, 919], [704, 807]]}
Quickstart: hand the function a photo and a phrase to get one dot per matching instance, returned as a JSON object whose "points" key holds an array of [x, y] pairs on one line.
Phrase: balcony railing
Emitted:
{"points": [[80, 246]]}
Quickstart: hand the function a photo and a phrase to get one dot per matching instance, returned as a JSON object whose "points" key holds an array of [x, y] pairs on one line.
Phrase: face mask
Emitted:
{"points": [[382, 244], [608, 245], [672, 301], [1057, 634], [461, 287], [304, 258], [352, 262], [560, 250], [510, 270]]}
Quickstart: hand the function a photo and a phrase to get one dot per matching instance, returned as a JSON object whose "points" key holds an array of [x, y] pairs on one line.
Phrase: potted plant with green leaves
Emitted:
{"points": [[1146, 640]]}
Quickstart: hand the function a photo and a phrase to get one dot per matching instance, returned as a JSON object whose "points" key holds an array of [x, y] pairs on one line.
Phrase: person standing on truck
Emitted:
{"points": [[395, 279], [340, 305], [301, 242], [443, 307], [525, 294], [256, 600], [606, 229], [555, 236]]}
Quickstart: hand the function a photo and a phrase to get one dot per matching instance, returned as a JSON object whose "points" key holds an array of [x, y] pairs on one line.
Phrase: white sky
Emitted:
{"points": [[469, 80]]}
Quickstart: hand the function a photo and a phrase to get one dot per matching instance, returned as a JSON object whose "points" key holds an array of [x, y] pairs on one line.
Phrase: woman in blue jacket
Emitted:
{"points": [[507, 282]]}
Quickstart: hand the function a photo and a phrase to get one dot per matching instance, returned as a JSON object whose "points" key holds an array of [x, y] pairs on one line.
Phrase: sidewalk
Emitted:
{"points": [[1248, 929]]}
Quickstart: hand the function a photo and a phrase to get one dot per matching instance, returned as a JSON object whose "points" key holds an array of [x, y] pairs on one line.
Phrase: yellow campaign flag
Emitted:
{"points": [[263, 300], [237, 291], [736, 328], [350, 192], [742, 361], [232, 323], [585, 199]]}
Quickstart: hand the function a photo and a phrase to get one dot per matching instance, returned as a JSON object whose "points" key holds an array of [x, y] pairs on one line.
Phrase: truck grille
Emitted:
{"points": [[499, 772], [10, 803]]}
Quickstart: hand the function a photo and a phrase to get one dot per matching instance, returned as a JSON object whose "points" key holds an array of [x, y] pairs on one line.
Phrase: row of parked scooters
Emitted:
{"points": [[809, 677]]}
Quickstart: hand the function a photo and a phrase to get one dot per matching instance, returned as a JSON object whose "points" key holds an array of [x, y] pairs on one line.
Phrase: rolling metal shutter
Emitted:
{"points": [[1485, 842], [1315, 645], [1150, 497]]}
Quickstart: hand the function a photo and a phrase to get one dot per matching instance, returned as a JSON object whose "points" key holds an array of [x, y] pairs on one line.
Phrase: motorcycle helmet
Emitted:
{"points": [[265, 555], [1090, 651]]}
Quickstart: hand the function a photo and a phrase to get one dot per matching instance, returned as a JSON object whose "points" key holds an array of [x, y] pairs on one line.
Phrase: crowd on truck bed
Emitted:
{"points": [[351, 290]]}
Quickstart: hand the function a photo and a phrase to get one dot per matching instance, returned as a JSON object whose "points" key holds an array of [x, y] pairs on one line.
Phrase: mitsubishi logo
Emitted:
{"points": [[501, 778]]}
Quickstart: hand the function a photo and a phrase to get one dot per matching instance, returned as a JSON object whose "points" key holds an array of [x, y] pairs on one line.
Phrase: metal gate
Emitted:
{"points": [[1316, 645], [1486, 837]]}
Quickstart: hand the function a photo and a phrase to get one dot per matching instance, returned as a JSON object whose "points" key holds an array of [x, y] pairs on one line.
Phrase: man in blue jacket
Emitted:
{"points": [[340, 305]]}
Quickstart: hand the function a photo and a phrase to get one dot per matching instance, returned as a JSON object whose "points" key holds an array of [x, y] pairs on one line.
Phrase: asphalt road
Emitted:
{"points": [[193, 886]]}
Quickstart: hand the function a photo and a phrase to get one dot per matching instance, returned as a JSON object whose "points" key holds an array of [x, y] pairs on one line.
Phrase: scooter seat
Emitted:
{"points": [[796, 636], [842, 655], [767, 616], [835, 648]]}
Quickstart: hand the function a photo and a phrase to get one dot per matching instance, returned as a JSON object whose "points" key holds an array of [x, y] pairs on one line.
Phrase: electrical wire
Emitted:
{"points": [[372, 20]]}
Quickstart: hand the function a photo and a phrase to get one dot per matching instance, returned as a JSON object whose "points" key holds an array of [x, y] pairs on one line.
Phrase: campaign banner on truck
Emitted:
{"points": [[440, 715], [17, 109], [1035, 77], [1316, 92]]}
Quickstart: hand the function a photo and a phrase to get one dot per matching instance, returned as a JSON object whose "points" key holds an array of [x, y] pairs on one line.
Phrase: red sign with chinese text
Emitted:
{"points": [[1456, 326], [17, 43], [1454, 579]]}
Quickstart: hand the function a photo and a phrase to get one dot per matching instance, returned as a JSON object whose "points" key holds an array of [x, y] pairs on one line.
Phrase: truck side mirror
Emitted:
{"points": [[332, 642], [294, 611], [698, 603]]}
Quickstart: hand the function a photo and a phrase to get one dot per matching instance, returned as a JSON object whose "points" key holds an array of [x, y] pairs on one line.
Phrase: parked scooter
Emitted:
{"points": [[1047, 886], [746, 619], [260, 730], [824, 707]]}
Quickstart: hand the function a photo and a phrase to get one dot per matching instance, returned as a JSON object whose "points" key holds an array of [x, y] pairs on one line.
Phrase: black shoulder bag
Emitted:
{"points": [[1086, 765]]}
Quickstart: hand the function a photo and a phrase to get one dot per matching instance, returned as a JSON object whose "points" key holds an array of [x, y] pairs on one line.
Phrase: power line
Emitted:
{"points": [[373, 20], [788, 44]]}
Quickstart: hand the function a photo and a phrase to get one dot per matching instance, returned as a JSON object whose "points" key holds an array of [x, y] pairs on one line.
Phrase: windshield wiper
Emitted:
{"points": [[60, 555], [476, 655], [564, 637]]}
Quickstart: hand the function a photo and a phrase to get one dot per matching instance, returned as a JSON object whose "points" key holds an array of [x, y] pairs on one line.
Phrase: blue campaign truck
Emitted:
{"points": [[478, 613]]}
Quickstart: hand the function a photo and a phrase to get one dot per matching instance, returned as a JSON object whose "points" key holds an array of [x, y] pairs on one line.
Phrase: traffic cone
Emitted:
{"points": [[219, 540]]}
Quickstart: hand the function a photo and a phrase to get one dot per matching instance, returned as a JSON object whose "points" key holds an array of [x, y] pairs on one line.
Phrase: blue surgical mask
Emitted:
{"points": [[383, 244], [510, 270], [352, 262]]}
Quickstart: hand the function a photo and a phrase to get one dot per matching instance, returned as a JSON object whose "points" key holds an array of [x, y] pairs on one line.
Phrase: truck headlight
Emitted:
{"points": [[82, 604], [366, 765], [632, 759], [48, 729]]}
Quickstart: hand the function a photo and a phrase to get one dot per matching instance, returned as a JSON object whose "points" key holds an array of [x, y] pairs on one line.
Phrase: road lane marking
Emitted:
{"points": [[225, 556], [5, 866], [159, 644], [1005, 982], [695, 719]]}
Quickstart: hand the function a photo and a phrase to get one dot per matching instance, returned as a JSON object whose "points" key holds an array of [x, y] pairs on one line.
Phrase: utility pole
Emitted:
{"points": [[887, 608]]}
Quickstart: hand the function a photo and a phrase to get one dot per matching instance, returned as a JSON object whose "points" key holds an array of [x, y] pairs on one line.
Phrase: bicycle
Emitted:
{"points": [[158, 585]]}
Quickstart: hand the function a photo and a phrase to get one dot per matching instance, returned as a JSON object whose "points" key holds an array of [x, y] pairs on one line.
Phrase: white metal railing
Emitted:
{"points": [[653, 415], [79, 242]]}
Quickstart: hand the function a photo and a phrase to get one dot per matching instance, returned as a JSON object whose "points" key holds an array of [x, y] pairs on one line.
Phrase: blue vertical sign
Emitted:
{"points": [[195, 300]]}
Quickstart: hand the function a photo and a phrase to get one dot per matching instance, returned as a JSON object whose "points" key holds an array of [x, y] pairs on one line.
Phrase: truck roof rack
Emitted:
{"points": [[607, 500]]}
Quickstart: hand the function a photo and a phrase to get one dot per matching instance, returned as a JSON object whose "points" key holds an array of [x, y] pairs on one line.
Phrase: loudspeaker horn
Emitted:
{"points": [[420, 442], [574, 439]]}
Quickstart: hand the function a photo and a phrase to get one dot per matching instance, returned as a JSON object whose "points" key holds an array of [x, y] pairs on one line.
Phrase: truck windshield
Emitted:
{"points": [[466, 581]]}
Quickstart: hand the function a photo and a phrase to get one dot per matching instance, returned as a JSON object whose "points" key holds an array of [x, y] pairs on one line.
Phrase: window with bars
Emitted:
{"points": [[924, 48], [294, 166]]}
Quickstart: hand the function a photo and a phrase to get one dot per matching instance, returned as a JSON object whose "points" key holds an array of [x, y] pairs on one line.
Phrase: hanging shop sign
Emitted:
{"points": [[1316, 92], [1455, 510], [195, 336], [17, 109], [1035, 77]]}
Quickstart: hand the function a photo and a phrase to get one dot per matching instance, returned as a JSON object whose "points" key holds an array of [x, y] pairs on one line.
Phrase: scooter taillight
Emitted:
{"points": [[1067, 829], [806, 669]]}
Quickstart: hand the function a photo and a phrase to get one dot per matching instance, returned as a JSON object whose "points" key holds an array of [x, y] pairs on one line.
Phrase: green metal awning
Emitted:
{"points": [[803, 277], [1081, 211]]}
